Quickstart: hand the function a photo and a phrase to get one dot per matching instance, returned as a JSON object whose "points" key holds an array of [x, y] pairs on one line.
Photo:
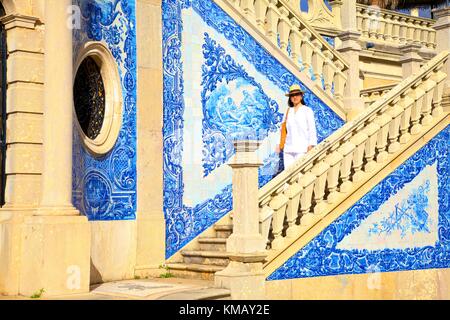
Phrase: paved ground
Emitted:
{"points": [[144, 289]]}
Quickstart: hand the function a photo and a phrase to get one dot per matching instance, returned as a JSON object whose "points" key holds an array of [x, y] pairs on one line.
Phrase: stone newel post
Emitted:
{"points": [[244, 275]]}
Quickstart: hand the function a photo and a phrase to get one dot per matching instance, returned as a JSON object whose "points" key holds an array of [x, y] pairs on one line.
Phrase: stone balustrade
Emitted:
{"points": [[371, 95], [302, 194], [382, 25], [288, 30]]}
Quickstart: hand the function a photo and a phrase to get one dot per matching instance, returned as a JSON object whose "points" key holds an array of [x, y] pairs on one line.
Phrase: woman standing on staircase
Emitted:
{"points": [[298, 130]]}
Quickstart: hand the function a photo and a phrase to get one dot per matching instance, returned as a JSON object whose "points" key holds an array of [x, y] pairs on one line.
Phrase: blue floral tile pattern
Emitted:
{"points": [[104, 188], [220, 71], [321, 257]]}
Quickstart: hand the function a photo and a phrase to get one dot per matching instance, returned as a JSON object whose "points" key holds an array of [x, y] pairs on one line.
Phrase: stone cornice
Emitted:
{"points": [[16, 20]]}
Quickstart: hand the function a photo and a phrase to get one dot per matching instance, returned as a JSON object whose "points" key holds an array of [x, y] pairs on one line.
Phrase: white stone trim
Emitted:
{"points": [[112, 122]]}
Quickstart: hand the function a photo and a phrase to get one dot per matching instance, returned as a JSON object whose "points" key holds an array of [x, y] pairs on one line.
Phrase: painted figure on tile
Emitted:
{"points": [[299, 133]]}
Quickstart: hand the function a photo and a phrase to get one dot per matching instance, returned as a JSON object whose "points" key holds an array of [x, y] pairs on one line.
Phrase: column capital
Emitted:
{"points": [[410, 52], [15, 20], [245, 154]]}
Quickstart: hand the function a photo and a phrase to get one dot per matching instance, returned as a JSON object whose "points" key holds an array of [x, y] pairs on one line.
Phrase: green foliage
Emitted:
{"points": [[167, 274], [38, 294]]}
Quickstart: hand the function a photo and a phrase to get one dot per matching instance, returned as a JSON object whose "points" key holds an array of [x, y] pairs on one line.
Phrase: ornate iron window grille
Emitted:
{"points": [[89, 98]]}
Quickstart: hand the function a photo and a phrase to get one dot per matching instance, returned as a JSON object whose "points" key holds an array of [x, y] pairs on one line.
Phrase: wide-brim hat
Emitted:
{"points": [[294, 89]]}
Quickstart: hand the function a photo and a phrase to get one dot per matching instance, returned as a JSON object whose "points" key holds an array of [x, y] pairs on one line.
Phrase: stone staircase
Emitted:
{"points": [[303, 199], [210, 257]]}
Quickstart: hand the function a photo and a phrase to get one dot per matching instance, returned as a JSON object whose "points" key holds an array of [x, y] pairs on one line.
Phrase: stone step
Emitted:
{"points": [[217, 258], [213, 244], [200, 294], [194, 271], [223, 230]]}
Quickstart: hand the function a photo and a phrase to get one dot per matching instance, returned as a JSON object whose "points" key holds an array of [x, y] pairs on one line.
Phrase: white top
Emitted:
{"points": [[301, 130]]}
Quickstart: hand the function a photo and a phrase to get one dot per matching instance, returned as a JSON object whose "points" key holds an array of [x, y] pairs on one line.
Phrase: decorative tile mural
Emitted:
{"points": [[403, 223], [219, 85], [104, 188]]}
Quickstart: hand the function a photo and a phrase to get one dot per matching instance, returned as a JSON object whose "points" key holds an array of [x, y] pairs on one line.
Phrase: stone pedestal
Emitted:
{"points": [[350, 49], [244, 275], [442, 27], [411, 60], [55, 255]]}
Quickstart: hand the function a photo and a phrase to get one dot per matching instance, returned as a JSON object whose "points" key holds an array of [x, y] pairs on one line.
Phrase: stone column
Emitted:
{"points": [[56, 195], [25, 45], [56, 245], [151, 231], [442, 27], [350, 49], [411, 60], [244, 275]]}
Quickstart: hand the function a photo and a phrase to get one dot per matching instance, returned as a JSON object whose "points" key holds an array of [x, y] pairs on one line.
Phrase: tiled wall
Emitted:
{"points": [[219, 84], [403, 223], [104, 188]]}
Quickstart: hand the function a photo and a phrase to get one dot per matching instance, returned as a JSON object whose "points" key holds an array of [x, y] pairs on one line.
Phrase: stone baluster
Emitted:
{"points": [[365, 23], [329, 70], [320, 170], [273, 17], [381, 26], [389, 27], [307, 182], [416, 110], [346, 149], [403, 30], [395, 112], [339, 83], [318, 60], [260, 13], [371, 130], [406, 103], [439, 77], [431, 39], [373, 24], [424, 34], [295, 39], [359, 19], [284, 29], [359, 140], [278, 204], [236, 3], [383, 119], [334, 160], [410, 30], [428, 86], [248, 9], [265, 218], [395, 28], [293, 193], [307, 49], [417, 37]]}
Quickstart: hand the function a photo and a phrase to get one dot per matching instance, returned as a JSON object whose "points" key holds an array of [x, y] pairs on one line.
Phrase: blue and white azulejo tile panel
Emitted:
{"points": [[104, 188], [403, 223], [219, 85]]}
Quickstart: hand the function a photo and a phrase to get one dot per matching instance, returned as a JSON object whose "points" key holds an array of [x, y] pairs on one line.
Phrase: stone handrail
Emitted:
{"points": [[370, 95], [289, 31], [391, 26], [300, 193]]}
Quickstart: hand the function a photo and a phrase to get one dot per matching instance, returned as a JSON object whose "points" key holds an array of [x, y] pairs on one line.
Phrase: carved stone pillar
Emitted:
{"points": [[244, 275]]}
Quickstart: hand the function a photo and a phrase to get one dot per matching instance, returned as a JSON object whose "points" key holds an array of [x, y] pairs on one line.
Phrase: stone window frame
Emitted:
{"points": [[112, 121]]}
